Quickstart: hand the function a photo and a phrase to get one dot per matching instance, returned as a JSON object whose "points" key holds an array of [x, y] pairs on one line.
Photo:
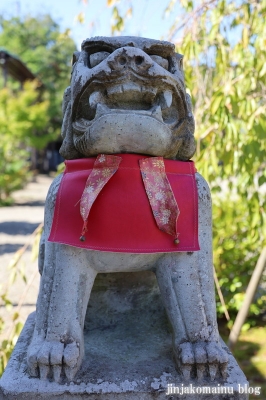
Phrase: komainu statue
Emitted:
{"points": [[130, 200]]}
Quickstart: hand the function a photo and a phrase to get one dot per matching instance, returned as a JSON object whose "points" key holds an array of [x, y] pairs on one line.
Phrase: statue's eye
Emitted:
{"points": [[163, 62], [98, 57]]}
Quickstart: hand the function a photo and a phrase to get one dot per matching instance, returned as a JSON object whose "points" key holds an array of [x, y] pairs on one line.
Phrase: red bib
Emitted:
{"points": [[121, 218]]}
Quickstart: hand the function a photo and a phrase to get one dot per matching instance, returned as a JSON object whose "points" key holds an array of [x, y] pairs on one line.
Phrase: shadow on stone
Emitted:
{"points": [[9, 248], [17, 227], [33, 203]]}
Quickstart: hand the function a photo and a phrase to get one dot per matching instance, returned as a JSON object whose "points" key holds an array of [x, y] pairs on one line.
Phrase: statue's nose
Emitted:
{"points": [[129, 57]]}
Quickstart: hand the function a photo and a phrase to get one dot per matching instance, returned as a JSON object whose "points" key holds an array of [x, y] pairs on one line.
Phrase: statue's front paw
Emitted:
{"points": [[209, 359], [50, 358]]}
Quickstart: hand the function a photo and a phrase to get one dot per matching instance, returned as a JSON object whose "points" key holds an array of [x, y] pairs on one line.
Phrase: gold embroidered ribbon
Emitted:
{"points": [[160, 195], [158, 189], [103, 169]]}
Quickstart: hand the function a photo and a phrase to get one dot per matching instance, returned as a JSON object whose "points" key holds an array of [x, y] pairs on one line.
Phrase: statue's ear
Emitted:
{"points": [[68, 150], [189, 105], [187, 148], [66, 101], [188, 144], [190, 117], [179, 59], [75, 57]]}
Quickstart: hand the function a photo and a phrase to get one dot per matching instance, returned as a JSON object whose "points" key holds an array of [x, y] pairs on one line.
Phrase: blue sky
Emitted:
{"points": [[147, 19]]}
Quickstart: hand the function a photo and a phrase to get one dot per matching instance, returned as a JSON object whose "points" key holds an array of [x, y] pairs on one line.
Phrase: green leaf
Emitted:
{"points": [[216, 104]]}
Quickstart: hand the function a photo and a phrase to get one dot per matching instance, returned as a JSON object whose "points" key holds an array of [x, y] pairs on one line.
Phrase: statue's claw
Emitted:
{"points": [[186, 371], [50, 357], [213, 371], [57, 369], [71, 357], [223, 369], [43, 359], [200, 371], [32, 364], [56, 360], [44, 371], [33, 371], [209, 358], [200, 359], [186, 357]]}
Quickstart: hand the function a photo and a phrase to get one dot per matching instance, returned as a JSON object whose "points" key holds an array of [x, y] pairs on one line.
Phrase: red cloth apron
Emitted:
{"points": [[121, 218]]}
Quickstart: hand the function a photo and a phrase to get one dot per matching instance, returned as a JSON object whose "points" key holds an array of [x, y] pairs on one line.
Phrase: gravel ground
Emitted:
{"points": [[16, 226]]}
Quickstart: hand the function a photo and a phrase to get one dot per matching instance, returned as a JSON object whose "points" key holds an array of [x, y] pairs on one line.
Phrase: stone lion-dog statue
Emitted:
{"points": [[127, 96]]}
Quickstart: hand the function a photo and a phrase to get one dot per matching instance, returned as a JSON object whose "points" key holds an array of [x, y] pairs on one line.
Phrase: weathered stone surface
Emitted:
{"points": [[127, 352]]}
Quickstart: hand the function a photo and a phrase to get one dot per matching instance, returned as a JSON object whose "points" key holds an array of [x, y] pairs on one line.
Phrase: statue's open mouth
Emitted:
{"points": [[126, 97]]}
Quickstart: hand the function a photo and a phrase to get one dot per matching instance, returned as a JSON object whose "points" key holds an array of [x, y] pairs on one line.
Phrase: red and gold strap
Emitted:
{"points": [[161, 197], [104, 168]]}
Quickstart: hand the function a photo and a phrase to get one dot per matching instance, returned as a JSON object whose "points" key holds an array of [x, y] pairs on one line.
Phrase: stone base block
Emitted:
{"points": [[128, 355]]}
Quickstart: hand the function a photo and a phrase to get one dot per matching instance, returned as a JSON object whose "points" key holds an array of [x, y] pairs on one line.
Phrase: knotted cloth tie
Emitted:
{"points": [[158, 189]]}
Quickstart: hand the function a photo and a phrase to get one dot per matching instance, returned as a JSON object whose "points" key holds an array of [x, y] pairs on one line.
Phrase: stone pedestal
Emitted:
{"points": [[128, 352]]}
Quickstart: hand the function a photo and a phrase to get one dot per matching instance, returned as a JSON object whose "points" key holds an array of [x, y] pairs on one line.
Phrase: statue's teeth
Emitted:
{"points": [[114, 89], [168, 98], [157, 113], [101, 109], [131, 87], [151, 90], [94, 99]]}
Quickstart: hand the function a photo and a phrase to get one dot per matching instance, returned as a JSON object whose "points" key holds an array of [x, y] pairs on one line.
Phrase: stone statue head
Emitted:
{"points": [[127, 95]]}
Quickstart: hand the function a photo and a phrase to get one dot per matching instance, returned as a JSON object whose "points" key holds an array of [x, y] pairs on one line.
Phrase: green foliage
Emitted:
{"points": [[60, 168], [22, 116], [119, 17], [8, 345], [16, 269], [250, 354], [32, 117], [223, 43], [47, 52], [235, 252], [118, 24]]}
